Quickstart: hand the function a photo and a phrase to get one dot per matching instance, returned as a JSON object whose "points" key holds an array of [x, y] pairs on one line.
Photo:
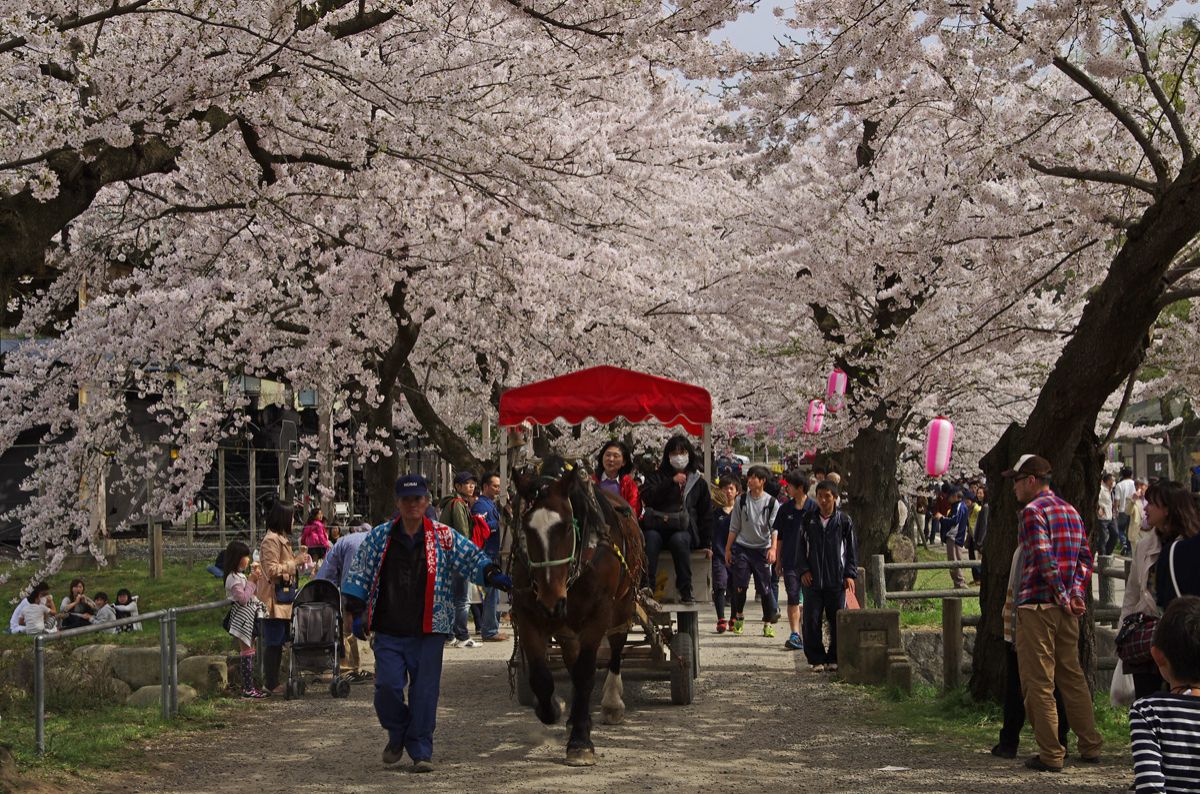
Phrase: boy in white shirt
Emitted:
{"points": [[750, 549], [39, 606]]}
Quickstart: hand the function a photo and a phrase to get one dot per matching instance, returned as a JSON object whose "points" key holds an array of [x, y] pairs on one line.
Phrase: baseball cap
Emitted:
{"points": [[411, 485], [1031, 465], [464, 476]]}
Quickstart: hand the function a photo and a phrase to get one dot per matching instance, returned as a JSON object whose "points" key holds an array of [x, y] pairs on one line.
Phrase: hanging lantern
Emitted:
{"points": [[816, 417], [939, 440], [810, 456], [835, 391]]}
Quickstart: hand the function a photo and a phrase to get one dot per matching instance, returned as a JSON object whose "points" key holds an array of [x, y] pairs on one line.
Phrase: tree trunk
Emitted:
{"points": [[379, 477], [871, 482], [1119, 313]]}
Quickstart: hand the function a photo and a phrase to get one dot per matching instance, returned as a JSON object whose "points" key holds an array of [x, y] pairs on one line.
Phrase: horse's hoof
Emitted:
{"points": [[551, 713], [581, 756], [612, 716]]}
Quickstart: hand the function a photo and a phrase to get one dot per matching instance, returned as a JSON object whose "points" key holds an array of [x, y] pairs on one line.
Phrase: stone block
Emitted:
{"points": [[899, 671], [139, 667], [864, 638], [147, 696], [207, 674], [900, 549], [100, 655]]}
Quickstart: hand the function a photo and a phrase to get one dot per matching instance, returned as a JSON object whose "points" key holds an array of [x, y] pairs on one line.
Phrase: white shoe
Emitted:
{"points": [[469, 644], [817, 668], [454, 643]]}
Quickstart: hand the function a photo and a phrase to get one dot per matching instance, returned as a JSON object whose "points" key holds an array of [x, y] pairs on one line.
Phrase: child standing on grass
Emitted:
{"points": [[1165, 727], [245, 610]]}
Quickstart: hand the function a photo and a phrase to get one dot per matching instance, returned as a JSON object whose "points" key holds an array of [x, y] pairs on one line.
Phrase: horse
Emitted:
{"points": [[578, 559]]}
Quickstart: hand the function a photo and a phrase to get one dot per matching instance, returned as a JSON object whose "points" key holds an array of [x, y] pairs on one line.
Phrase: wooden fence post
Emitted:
{"points": [[878, 581], [952, 643]]}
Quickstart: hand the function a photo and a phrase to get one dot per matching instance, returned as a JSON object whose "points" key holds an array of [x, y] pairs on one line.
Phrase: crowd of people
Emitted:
{"points": [[36, 614]]}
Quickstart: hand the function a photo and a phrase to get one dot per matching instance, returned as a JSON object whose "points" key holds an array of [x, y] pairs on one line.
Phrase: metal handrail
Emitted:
{"points": [[167, 652]]}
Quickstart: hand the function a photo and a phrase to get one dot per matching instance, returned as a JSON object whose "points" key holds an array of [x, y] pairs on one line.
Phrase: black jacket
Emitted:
{"points": [[662, 493], [829, 552]]}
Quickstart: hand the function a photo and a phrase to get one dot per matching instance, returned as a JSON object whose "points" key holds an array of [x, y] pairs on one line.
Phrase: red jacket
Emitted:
{"points": [[629, 492]]}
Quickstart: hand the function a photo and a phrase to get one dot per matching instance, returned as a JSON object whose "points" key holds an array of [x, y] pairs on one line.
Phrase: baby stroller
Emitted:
{"points": [[316, 638]]}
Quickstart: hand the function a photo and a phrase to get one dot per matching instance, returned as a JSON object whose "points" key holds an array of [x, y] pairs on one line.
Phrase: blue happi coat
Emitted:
{"points": [[446, 552]]}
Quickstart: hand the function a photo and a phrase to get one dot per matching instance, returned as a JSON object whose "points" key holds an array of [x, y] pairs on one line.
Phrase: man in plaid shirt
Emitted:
{"points": [[1057, 571]]}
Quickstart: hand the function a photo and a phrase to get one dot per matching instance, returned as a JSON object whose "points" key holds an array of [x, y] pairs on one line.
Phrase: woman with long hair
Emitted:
{"points": [[1171, 509], [614, 472], [76, 608], [277, 584]]}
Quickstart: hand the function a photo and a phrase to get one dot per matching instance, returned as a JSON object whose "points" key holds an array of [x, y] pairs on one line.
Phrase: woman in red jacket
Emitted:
{"points": [[614, 465]]}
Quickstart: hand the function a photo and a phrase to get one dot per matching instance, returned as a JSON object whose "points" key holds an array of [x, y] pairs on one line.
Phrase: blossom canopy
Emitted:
{"points": [[605, 393]]}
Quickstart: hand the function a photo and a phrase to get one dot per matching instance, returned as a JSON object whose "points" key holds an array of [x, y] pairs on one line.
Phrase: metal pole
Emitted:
{"points": [[221, 493], [350, 485], [174, 664], [39, 692], [706, 445], [253, 475], [164, 691]]}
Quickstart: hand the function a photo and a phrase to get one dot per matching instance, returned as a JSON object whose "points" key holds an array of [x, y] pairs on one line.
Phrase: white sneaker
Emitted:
{"points": [[816, 668], [469, 644], [454, 643]]}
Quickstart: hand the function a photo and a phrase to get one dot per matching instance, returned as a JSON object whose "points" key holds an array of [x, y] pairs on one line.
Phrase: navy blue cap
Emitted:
{"points": [[411, 485], [466, 475]]}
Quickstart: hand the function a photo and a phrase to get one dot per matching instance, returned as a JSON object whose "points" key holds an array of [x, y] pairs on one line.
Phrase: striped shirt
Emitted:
{"points": [[1057, 558], [1165, 732]]}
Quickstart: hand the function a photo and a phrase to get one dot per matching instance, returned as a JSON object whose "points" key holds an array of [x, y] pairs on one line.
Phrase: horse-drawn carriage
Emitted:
{"points": [[578, 551]]}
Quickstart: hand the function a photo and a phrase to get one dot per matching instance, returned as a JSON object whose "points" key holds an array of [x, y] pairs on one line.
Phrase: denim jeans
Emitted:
{"points": [[414, 663], [458, 598]]}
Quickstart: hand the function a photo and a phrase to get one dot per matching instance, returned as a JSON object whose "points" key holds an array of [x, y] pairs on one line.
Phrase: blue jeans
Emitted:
{"points": [[417, 663], [486, 619], [458, 598]]}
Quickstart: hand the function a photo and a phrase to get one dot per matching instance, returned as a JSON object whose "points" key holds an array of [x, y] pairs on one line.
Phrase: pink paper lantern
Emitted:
{"points": [[939, 441], [815, 419], [835, 391]]}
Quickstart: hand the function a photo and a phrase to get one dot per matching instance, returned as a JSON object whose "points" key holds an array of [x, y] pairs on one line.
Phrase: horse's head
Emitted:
{"points": [[550, 535]]}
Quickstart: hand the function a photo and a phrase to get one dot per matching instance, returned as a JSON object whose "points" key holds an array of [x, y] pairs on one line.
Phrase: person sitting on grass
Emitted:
{"points": [[77, 609], [104, 611], [37, 614], [127, 607], [1165, 727]]}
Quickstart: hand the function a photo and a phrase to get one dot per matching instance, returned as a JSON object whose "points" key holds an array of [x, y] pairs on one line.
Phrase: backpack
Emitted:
{"points": [[480, 531]]}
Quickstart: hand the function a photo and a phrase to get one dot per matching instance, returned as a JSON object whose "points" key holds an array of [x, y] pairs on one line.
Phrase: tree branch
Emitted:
{"points": [[1120, 414], [1094, 175], [549, 20], [1186, 268], [1171, 296], [1164, 102], [115, 10]]}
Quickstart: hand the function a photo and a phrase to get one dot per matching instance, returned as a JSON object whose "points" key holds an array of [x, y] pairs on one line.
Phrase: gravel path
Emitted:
{"points": [[761, 720]]}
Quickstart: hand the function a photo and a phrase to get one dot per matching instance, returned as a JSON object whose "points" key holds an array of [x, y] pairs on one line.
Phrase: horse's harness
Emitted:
{"points": [[578, 539]]}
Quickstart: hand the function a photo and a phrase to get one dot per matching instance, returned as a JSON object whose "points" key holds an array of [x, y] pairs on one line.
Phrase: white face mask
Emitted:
{"points": [[680, 462]]}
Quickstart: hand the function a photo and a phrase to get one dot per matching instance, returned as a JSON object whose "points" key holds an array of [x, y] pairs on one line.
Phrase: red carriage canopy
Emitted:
{"points": [[605, 393]]}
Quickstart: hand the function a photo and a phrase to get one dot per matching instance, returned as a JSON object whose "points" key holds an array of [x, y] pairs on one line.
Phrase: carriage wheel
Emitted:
{"points": [[301, 687], [289, 691], [689, 626], [524, 691], [340, 688], [681, 670]]}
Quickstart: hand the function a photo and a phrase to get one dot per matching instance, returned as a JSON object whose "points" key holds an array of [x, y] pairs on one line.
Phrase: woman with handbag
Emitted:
{"points": [[1139, 610], [1178, 571], [277, 588], [677, 513]]}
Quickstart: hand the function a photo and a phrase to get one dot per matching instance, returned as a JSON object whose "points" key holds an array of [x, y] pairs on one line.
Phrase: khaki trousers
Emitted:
{"points": [[1048, 656], [954, 553], [349, 645]]}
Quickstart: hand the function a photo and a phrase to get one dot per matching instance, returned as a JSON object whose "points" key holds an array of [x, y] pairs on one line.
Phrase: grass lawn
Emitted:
{"points": [[180, 585], [928, 612], [956, 717], [85, 732]]}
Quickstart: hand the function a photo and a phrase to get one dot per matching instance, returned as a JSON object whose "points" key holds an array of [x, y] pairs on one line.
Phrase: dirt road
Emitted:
{"points": [[761, 722]]}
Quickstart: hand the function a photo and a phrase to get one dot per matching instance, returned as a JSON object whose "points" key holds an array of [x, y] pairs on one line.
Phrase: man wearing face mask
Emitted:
{"points": [[677, 513]]}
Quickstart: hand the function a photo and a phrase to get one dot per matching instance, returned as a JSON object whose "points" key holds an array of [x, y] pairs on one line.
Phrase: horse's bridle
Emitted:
{"points": [[555, 563]]}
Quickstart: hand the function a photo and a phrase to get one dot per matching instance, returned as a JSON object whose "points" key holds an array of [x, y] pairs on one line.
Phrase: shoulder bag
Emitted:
{"points": [[1137, 630]]}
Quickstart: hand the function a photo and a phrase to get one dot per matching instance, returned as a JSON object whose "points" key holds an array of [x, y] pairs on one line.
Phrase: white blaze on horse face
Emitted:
{"points": [[541, 521]]}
